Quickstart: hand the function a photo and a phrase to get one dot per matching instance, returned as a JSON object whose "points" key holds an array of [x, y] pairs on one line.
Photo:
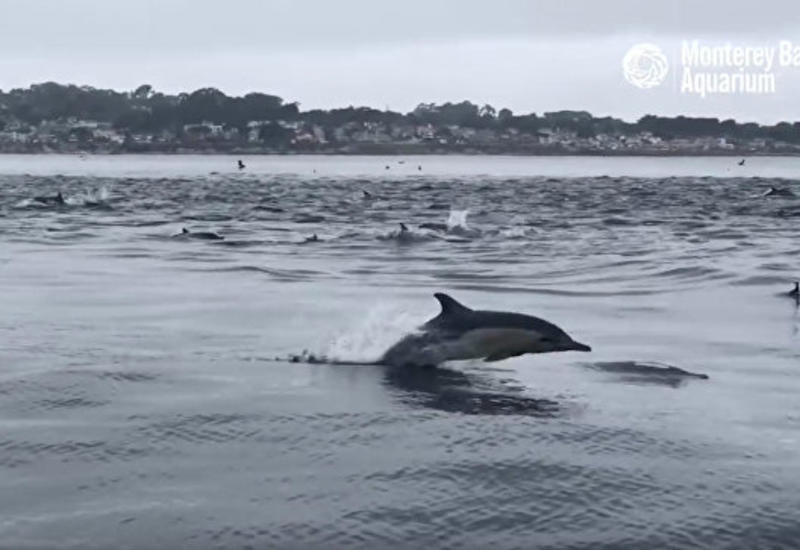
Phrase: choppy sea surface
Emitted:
{"points": [[149, 397]]}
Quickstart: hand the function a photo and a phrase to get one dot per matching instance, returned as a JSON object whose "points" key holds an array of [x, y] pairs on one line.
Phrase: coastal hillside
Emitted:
{"points": [[51, 117]]}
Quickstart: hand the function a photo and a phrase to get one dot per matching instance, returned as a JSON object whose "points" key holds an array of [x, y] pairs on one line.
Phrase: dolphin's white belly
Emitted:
{"points": [[486, 342]]}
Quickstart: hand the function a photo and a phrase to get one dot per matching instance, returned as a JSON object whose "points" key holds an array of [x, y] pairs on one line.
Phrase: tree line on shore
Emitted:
{"points": [[148, 111]]}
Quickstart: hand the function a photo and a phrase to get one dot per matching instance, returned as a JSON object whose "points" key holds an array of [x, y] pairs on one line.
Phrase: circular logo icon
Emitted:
{"points": [[645, 66]]}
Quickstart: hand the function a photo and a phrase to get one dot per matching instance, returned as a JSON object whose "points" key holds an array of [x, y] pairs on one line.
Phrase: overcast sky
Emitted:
{"points": [[527, 55]]}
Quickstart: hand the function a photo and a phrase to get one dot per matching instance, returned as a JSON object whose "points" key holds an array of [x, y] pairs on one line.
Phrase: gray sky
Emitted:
{"points": [[523, 54]]}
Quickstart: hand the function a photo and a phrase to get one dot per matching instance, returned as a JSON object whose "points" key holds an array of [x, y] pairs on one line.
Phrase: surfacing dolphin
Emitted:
{"points": [[778, 192], [57, 199], [459, 333], [201, 235]]}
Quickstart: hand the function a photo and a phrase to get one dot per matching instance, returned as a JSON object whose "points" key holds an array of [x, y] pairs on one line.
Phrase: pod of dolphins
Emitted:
{"points": [[459, 332]]}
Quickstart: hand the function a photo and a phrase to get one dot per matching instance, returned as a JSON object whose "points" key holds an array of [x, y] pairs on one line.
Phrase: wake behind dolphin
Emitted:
{"points": [[460, 333]]}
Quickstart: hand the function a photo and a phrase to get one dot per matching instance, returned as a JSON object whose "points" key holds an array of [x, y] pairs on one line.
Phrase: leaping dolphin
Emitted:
{"points": [[459, 333]]}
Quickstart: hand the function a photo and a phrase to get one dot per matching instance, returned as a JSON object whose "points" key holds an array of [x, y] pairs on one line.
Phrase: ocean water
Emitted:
{"points": [[151, 397]]}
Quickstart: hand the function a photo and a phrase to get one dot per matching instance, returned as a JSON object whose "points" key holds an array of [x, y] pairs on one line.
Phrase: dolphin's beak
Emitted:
{"points": [[577, 346]]}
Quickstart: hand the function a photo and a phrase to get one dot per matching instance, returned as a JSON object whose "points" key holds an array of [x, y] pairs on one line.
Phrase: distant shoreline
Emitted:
{"points": [[68, 119]]}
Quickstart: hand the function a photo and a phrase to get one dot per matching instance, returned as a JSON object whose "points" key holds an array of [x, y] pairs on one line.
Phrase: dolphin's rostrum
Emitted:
{"points": [[459, 333]]}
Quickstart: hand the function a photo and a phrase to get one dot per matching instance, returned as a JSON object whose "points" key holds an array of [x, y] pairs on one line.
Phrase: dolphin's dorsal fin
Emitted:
{"points": [[450, 306], [184, 231], [403, 227]]}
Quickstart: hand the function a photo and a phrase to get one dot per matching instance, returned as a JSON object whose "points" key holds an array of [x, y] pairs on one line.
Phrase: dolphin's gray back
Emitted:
{"points": [[457, 318], [472, 320]]}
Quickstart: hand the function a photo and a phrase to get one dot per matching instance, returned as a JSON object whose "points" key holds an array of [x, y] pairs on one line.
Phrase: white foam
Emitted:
{"points": [[379, 329], [514, 232], [95, 196], [457, 219]]}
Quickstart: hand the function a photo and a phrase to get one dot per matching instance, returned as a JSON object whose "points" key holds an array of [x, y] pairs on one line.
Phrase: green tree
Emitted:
{"points": [[143, 92], [275, 135]]}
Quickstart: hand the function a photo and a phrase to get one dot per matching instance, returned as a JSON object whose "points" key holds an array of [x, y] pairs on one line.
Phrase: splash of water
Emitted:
{"points": [[89, 197], [457, 220], [457, 225], [103, 193], [96, 195], [24, 203], [514, 232], [379, 329]]}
